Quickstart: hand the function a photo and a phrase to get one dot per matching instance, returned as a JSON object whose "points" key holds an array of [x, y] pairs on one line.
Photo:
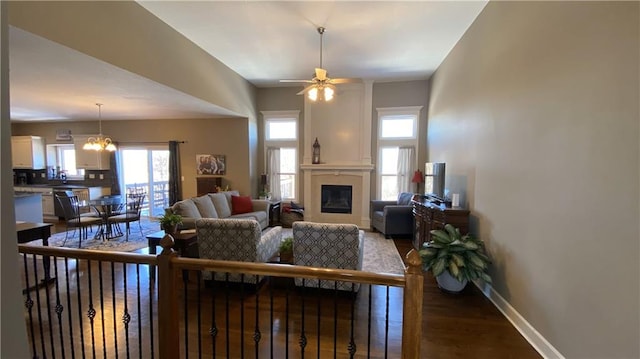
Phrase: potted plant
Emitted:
{"points": [[170, 221], [454, 259], [286, 250]]}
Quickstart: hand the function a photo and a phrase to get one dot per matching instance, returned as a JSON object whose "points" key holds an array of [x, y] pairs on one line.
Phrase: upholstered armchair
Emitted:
{"points": [[393, 218], [236, 240], [326, 245]]}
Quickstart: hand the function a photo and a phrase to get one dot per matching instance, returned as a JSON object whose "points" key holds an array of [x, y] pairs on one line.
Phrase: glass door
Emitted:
{"points": [[146, 168]]}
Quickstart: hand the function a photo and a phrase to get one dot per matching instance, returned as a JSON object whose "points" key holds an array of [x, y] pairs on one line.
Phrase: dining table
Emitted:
{"points": [[106, 207]]}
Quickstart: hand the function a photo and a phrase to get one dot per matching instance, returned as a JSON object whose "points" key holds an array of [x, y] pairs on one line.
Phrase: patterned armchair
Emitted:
{"points": [[236, 240], [326, 245]]}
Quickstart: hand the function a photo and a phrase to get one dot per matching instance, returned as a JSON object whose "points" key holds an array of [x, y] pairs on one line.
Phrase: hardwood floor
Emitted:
{"points": [[466, 325]]}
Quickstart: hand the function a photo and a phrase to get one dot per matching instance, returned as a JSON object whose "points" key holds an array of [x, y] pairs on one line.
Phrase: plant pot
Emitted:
{"points": [[449, 283], [170, 228], [286, 257]]}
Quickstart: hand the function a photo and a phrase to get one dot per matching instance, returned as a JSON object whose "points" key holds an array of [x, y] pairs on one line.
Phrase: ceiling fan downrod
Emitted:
{"points": [[321, 32]]}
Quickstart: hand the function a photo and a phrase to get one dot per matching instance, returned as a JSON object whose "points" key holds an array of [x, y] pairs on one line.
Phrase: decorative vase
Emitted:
{"points": [[286, 257], [449, 283]]}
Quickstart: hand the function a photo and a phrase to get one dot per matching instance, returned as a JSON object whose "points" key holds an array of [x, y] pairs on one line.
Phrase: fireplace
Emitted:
{"points": [[335, 199]]}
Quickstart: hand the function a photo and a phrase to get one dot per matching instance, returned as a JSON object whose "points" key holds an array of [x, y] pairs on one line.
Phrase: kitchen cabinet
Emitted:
{"points": [[28, 152], [89, 159]]}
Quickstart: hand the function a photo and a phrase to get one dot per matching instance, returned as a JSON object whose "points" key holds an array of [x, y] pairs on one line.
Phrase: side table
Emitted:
{"points": [[274, 212], [183, 242]]}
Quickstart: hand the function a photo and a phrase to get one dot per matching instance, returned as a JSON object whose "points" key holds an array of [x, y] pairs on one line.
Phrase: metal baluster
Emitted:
{"points": [[80, 317], [66, 271], [352, 343], [318, 319], [139, 311], [45, 282], [271, 316], [303, 337], [35, 279], [91, 313], [335, 319], [241, 315], [369, 321], [226, 324], [113, 302], [199, 309], [152, 285], [28, 303], [256, 333], [386, 325], [104, 337], [186, 316], [126, 317], [213, 330], [286, 326], [59, 307]]}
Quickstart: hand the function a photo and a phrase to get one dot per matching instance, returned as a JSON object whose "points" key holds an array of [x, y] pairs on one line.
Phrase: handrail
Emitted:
{"points": [[89, 254]]}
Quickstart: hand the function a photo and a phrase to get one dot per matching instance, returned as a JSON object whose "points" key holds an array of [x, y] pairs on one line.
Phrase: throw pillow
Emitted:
{"points": [[241, 204], [404, 198], [205, 207]]}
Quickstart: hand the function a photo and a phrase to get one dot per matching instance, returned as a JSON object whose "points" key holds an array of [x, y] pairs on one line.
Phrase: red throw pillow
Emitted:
{"points": [[241, 204]]}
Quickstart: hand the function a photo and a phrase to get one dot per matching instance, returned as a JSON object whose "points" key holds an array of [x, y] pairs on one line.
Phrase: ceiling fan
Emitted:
{"points": [[321, 86]]}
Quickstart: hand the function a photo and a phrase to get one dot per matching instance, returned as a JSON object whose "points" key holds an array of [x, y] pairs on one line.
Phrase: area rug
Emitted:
{"points": [[380, 254], [119, 244]]}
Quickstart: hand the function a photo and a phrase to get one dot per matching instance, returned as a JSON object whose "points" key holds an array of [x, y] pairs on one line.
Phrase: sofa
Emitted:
{"points": [[393, 218], [236, 240], [328, 245], [228, 204]]}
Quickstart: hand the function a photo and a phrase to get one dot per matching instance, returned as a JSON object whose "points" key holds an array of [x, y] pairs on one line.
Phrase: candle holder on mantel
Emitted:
{"points": [[315, 159]]}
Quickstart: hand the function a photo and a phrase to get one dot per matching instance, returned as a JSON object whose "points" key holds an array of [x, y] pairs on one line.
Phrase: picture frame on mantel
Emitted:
{"points": [[211, 164]]}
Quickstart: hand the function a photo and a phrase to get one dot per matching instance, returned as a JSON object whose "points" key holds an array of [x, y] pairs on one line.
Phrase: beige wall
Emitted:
{"points": [[535, 112], [214, 136]]}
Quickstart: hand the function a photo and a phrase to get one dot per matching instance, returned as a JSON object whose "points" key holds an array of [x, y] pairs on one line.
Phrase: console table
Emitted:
{"points": [[428, 216]]}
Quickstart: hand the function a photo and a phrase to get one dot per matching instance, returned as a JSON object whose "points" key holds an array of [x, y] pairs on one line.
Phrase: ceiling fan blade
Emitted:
{"points": [[343, 81], [303, 81], [321, 74], [305, 90]]}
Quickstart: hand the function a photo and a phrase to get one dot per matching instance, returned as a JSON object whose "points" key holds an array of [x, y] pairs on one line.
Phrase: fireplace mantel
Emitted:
{"points": [[337, 167]]}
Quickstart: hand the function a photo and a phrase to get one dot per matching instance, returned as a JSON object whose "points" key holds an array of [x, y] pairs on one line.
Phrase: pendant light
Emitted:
{"points": [[101, 142]]}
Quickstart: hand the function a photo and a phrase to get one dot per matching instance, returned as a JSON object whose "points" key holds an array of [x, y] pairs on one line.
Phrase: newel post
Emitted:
{"points": [[168, 338], [412, 313]]}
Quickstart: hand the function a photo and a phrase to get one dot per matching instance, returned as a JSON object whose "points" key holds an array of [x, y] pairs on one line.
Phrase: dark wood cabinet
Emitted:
{"points": [[428, 216]]}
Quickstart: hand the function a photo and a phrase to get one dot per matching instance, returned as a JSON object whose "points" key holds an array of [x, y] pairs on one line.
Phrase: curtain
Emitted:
{"points": [[175, 185], [273, 172], [406, 159], [115, 163]]}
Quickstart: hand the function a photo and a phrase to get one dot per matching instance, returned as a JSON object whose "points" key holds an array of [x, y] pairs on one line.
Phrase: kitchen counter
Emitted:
{"points": [[28, 206]]}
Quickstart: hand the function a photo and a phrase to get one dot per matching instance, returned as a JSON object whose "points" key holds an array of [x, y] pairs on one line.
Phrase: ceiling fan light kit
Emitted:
{"points": [[101, 142], [322, 87]]}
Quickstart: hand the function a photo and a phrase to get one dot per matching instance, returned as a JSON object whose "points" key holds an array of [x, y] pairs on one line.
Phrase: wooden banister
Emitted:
{"points": [[169, 342], [412, 310]]}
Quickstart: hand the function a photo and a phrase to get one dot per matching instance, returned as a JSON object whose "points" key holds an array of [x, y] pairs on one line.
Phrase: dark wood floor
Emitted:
{"points": [[466, 325]]}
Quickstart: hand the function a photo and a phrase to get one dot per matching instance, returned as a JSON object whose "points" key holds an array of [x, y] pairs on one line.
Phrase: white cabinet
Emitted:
{"points": [[89, 159], [28, 152]]}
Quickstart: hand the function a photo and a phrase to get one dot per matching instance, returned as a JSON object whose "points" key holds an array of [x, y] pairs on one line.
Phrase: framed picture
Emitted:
{"points": [[210, 165]]}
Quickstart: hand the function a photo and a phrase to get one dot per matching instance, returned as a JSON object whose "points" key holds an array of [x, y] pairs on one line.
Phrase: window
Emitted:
{"points": [[281, 153], [397, 147], [64, 156]]}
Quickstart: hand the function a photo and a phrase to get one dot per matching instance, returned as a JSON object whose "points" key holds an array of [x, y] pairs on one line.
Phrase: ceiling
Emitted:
{"points": [[263, 41]]}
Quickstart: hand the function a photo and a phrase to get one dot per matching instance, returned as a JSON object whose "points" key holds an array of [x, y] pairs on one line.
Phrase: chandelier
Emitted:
{"points": [[99, 143]]}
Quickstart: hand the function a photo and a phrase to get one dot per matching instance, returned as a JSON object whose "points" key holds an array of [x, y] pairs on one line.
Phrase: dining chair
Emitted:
{"points": [[131, 214], [73, 218]]}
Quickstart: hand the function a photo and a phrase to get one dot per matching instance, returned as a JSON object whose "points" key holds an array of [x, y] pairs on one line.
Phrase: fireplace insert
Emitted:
{"points": [[335, 199]]}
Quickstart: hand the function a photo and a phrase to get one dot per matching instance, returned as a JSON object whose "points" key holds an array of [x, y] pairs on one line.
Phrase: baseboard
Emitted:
{"points": [[539, 343]]}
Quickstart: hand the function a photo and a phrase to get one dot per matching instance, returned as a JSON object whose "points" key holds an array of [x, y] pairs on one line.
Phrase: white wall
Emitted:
{"points": [[535, 112]]}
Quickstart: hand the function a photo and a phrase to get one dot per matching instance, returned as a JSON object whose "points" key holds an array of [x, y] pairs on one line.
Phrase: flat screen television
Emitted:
{"points": [[434, 181]]}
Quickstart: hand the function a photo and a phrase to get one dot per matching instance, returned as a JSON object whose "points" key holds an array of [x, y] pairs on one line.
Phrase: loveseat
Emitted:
{"points": [[393, 218], [328, 245], [228, 204]]}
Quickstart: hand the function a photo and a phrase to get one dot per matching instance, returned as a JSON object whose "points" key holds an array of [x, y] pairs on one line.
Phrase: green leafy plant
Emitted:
{"points": [[286, 245], [170, 219], [462, 256]]}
